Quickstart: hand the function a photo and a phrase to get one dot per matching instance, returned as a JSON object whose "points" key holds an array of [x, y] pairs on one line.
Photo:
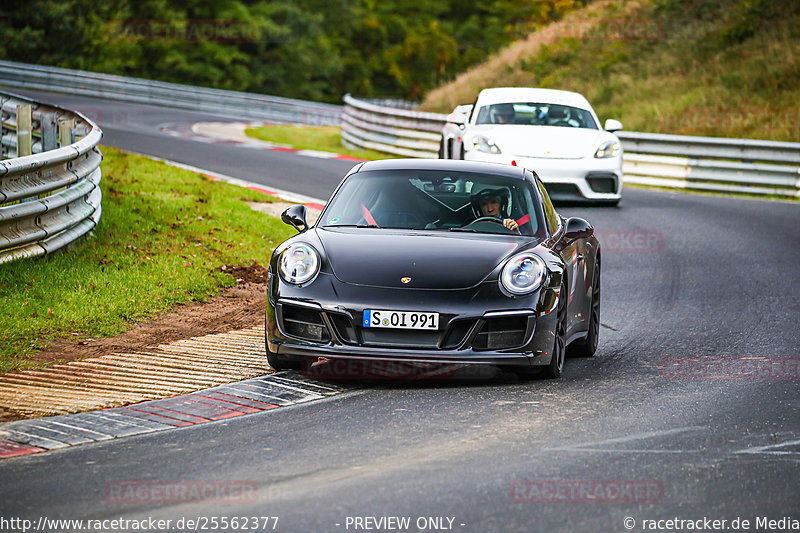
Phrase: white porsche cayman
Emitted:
{"points": [[554, 133]]}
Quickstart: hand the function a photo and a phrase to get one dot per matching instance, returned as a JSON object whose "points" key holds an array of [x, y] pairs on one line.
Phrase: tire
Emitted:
{"points": [[461, 154], [588, 346], [441, 148], [556, 366]]}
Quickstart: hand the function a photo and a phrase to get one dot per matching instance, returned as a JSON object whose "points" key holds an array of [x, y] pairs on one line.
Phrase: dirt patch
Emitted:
{"points": [[254, 273], [238, 307]]}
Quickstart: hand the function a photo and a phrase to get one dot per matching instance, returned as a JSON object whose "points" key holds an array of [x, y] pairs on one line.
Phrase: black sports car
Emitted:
{"points": [[435, 261]]}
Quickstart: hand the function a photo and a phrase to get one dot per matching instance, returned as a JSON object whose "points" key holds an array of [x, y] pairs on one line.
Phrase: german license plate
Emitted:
{"points": [[375, 318]]}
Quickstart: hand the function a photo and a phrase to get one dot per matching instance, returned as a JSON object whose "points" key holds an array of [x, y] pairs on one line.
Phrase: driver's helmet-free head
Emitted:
{"points": [[503, 113], [558, 113], [487, 193]]}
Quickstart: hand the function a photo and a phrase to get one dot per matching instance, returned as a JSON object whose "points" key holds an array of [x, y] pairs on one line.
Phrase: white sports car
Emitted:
{"points": [[554, 133]]}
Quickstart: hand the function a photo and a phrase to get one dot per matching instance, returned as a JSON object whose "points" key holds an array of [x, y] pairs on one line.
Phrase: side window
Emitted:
{"points": [[549, 211]]}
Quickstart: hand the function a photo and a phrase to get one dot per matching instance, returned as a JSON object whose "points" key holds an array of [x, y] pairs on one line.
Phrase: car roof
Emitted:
{"points": [[501, 95], [453, 165]]}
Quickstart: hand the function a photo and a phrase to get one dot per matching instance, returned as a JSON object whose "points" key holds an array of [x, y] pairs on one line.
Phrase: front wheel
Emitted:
{"points": [[441, 148], [556, 366], [588, 346]]}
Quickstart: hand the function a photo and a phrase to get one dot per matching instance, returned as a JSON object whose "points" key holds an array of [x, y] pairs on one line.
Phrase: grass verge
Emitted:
{"points": [[324, 138], [164, 234]]}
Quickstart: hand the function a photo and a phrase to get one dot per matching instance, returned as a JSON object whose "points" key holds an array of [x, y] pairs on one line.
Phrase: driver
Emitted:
{"points": [[503, 113], [492, 203]]}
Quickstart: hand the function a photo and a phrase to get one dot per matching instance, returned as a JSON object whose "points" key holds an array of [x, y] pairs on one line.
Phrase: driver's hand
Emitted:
{"points": [[511, 224]]}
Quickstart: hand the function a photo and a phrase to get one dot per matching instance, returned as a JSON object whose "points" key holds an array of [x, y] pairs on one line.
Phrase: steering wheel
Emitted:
{"points": [[491, 219], [487, 219]]}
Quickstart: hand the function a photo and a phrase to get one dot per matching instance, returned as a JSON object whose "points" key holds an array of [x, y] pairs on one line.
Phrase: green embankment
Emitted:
{"points": [[727, 68], [164, 234], [324, 138]]}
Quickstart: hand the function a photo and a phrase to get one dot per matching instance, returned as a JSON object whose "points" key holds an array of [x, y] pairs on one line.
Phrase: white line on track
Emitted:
{"points": [[281, 193]]}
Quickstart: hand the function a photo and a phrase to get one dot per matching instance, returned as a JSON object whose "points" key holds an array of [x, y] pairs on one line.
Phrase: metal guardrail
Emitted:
{"points": [[703, 163], [712, 163], [49, 189], [677, 161], [391, 130], [137, 90]]}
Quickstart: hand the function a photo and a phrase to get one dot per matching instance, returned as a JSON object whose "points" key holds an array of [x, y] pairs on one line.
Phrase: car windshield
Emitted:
{"points": [[536, 114], [434, 201]]}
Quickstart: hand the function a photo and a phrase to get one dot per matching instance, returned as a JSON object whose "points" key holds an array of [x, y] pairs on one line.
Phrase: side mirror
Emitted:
{"points": [[295, 216], [459, 116], [577, 228], [459, 119], [613, 125]]}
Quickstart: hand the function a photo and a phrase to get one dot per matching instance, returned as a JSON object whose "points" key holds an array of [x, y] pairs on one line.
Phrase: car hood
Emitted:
{"points": [[382, 257], [544, 142]]}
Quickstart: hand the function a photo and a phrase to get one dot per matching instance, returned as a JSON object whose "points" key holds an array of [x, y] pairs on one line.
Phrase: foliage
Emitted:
{"points": [[310, 49]]}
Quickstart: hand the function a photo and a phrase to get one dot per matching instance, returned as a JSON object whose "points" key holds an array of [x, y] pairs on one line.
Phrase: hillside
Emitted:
{"points": [[309, 49], [728, 68]]}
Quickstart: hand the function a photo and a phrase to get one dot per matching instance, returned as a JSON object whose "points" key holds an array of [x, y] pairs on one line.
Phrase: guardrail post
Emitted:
{"points": [[49, 132], [65, 138], [65, 126], [24, 145], [4, 129], [49, 141], [24, 137]]}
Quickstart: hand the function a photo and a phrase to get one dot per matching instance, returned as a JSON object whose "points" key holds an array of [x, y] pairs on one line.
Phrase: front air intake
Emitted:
{"points": [[501, 333], [304, 324], [602, 182]]}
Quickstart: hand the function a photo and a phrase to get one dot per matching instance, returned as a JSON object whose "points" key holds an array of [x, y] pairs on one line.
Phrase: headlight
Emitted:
{"points": [[484, 144], [298, 264], [607, 149], [523, 273]]}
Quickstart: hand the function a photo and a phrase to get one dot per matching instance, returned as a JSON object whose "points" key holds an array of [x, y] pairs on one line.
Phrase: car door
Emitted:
{"points": [[573, 255]]}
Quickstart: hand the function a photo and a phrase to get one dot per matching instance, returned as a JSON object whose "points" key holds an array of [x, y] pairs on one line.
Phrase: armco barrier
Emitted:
{"points": [[137, 90], [712, 163], [50, 197], [391, 130], [701, 163]]}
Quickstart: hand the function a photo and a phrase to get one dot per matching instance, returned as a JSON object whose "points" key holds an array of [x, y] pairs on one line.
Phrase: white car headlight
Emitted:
{"points": [[484, 144], [607, 149], [523, 273], [299, 263]]}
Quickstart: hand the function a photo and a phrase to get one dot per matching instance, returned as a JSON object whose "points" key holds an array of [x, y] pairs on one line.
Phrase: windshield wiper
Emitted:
{"points": [[468, 230], [351, 226]]}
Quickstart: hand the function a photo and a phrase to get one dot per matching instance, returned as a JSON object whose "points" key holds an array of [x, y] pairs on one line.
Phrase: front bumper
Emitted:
{"points": [[498, 331], [569, 179]]}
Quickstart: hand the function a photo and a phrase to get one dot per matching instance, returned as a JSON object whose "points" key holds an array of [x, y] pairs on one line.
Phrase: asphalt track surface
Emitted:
{"points": [[720, 281]]}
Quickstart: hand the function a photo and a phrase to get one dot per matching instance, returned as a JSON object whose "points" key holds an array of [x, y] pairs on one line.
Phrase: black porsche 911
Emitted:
{"points": [[436, 261]]}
